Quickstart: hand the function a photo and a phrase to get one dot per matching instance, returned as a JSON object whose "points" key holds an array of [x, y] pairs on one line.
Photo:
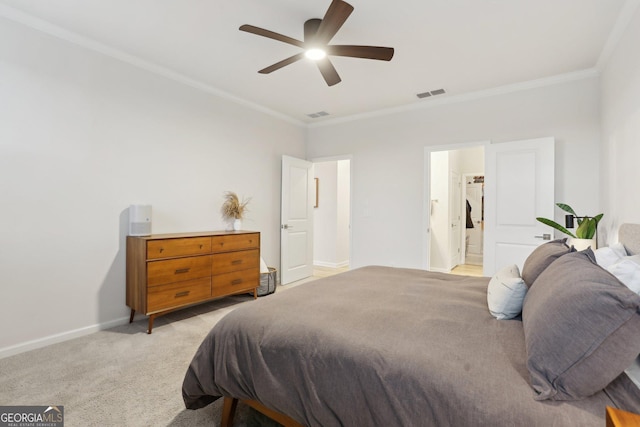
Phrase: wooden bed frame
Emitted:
{"points": [[229, 411]]}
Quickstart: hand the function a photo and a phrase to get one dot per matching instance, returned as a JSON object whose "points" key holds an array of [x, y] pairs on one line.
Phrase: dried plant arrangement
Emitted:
{"points": [[233, 208]]}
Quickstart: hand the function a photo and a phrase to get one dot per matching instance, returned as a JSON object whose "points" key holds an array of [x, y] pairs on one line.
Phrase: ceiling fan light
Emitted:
{"points": [[315, 54]]}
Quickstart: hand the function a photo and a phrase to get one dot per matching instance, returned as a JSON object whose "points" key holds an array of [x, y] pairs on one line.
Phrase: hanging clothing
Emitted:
{"points": [[469, 220]]}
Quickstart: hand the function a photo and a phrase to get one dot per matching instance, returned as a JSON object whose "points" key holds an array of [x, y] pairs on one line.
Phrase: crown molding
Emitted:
{"points": [[465, 97], [88, 43], [624, 17]]}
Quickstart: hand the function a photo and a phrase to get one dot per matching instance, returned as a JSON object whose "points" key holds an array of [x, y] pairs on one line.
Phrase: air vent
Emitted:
{"points": [[318, 114], [431, 93]]}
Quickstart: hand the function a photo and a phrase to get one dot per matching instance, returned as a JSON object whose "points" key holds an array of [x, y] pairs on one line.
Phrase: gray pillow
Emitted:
{"points": [[542, 257], [581, 328]]}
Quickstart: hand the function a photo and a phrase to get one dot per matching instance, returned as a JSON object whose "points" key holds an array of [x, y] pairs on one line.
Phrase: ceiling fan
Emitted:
{"points": [[317, 34]]}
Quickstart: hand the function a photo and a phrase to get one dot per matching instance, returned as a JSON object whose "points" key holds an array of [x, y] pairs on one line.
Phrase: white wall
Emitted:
{"points": [[331, 217], [82, 136], [621, 133], [388, 162]]}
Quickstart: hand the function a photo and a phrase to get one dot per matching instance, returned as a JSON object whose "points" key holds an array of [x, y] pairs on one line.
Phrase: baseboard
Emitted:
{"points": [[473, 259], [331, 264], [57, 338]]}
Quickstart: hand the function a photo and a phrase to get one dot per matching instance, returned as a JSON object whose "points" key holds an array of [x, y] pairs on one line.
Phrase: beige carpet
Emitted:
{"points": [[122, 376]]}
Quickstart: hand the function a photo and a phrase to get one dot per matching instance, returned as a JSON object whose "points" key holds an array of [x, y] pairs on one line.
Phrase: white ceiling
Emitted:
{"points": [[462, 46]]}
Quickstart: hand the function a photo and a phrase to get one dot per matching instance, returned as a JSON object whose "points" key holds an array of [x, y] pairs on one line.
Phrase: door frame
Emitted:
{"points": [[335, 159], [464, 195], [426, 201]]}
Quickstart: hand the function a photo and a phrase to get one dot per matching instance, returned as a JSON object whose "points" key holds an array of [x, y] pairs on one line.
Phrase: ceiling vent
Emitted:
{"points": [[430, 93], [318, 114]]}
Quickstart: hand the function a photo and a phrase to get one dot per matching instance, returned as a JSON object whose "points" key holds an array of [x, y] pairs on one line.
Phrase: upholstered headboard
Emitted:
{"points": [[629, 236]]}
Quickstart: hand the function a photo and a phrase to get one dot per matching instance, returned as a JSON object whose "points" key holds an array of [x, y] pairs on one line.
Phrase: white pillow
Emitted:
{"points": [[627, 270], [505, 293], [610, 254]]}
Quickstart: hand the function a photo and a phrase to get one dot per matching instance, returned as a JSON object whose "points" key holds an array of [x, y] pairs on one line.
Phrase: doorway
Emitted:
{"points": [[456, 209], [332, 215], [473, 188], [519, 187]]}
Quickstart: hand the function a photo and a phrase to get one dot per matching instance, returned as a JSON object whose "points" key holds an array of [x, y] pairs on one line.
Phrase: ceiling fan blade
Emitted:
{"points": [[328, 71], [282, 63], [336, 15], [367, 52], [271, 35]]}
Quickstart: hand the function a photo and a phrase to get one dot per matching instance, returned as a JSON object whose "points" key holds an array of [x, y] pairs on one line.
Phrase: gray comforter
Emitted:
{"points": [[382, 346]]}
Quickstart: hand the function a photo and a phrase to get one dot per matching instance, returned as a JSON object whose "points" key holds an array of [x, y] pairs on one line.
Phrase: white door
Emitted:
{"points": [[296, 226], [455, 213], [519, 186]]}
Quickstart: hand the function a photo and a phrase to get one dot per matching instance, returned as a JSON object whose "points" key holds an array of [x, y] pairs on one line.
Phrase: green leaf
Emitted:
{"points": [[566, 208], [555, 225], [587, 229]]}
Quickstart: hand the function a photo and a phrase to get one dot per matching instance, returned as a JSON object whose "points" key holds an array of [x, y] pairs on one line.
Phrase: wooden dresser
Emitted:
{"points": [[620, 418], [166, 272]]}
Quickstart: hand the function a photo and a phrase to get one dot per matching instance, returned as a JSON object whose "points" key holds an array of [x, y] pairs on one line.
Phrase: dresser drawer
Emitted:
{"points": [[235, 282], [178, 270], [167, 248], [178, 294], [234, 261], [235, 242]]}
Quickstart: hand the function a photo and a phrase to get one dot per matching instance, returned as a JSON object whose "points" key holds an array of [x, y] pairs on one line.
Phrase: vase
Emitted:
{"points": [[237, 224], [582, 244]]}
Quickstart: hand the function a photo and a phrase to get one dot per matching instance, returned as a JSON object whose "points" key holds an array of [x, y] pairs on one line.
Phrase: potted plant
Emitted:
{"points": [[233, 210], [586, 233]]}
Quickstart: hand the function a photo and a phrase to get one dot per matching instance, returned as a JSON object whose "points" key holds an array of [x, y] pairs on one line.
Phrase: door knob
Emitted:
{"points": [[545, 236]]}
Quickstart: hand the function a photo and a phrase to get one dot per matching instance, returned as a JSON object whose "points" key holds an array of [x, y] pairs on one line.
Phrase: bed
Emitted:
{"points": [[382, 346]]}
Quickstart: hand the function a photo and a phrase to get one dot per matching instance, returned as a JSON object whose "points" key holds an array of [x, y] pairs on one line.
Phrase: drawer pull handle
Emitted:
{"points": [[182, 294], [201, 246], [182, 270], [236, 261], [236, 282], [161, 250]]}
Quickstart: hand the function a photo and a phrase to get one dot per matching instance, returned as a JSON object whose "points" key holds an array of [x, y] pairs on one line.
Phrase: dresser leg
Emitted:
{"points": [[150, 324], [133, 312]]}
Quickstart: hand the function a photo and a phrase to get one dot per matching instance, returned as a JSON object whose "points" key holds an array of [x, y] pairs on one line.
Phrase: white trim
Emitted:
{"points": [[624, 17], [331, 158], [88, 43], [465, 97], [331, 264], [61, 337]]}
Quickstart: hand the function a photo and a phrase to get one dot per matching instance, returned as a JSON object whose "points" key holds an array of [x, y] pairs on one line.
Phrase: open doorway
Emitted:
{"points": [[332, 216], [456, 209], [473, 190]]}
